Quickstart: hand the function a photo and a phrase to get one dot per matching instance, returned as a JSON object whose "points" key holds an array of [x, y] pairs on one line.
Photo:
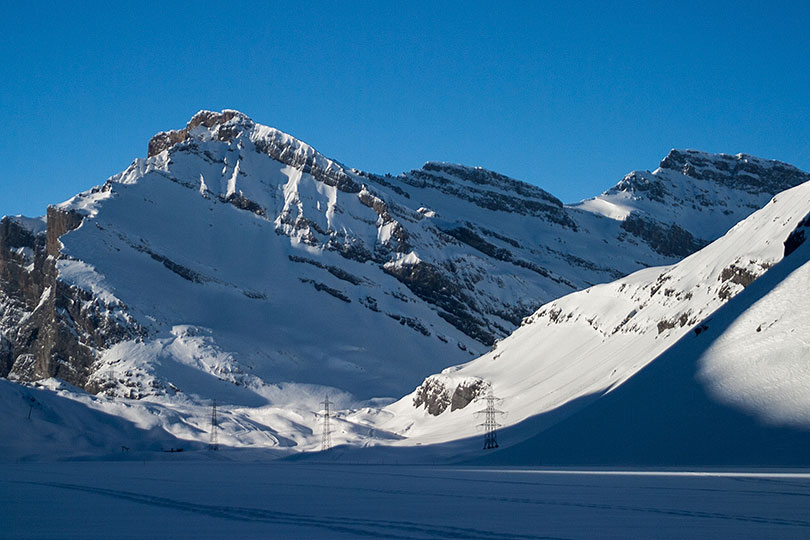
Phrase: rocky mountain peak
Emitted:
{"points": [[223, 125], [740, 171], [230, 125]]}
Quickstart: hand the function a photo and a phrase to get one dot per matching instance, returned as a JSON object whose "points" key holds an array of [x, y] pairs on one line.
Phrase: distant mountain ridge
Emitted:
{"points": [[239, 252]]}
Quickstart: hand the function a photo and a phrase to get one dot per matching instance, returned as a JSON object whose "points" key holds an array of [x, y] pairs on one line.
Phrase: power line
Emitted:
{"points": [[490, 424]]}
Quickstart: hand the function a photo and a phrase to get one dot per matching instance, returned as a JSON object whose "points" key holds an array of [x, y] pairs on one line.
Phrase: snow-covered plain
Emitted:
{"points": [[219, 498]]}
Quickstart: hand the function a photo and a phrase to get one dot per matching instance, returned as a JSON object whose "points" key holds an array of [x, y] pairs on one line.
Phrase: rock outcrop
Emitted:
{"points": [[439, 393], [798, 236], [47, 327]]}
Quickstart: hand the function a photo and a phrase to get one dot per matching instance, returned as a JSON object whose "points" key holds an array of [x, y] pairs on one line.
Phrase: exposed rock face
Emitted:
{"points": [[490, 190], [166, 139], [667, 240], [740, 171], [466, 392], [438, 392], [432, 285], [688, 201], [49, 329], [798, 236], [229, 124], [433, 395], [635, 182], [59, 222], [739, 275], [6, 355]]}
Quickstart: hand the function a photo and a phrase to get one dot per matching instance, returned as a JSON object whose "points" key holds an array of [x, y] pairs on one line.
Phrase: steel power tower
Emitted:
{"points": [[490, 425], [214, 443], [327, 414], [111, 381]]}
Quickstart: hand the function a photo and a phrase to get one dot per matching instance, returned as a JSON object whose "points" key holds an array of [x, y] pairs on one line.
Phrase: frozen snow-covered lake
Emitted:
{"points": [[220, 499]]}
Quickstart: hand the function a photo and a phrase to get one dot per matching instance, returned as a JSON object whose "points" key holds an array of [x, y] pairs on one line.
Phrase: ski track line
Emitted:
{"points": [[354, 526], [595, 506]]}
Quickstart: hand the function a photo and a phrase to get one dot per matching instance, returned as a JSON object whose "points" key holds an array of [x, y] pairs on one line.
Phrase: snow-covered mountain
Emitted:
{"points": [[700, 193], [237, 263], [658, 368]]}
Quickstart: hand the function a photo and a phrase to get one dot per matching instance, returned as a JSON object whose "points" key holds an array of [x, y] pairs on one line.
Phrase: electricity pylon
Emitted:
{"points": [[327, 414], [490, 425], [214, 442], [111, 381]]}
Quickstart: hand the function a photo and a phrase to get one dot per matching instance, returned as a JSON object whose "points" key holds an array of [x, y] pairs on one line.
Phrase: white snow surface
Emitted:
{"points": [[735, 392], [35, 225], [219, 498], [761, 361]]}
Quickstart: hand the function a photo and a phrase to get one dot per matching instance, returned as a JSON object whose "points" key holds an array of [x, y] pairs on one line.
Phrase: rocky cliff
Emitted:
{"points": [[48, 327]]}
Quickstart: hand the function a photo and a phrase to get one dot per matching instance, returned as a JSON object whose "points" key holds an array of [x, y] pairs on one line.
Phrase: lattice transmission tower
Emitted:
{"points": [[111, 382], [213, 444], [490, 424], [327, 415]]}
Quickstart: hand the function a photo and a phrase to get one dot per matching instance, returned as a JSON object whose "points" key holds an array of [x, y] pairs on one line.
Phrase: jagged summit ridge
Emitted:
{"points": [[693, 192], [742, 171], [484, 177], [206, 119], [231, 125]]}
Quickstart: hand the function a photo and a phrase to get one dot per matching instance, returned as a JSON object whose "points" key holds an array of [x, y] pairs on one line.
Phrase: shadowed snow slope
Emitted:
{"points": [[43, 424]]}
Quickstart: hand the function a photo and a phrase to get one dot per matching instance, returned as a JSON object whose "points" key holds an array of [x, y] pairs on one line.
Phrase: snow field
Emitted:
{"points": [[220, 499]]}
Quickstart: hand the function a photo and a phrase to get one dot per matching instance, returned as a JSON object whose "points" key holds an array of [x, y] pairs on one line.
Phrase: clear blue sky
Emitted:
{"points": [[566, 95]]}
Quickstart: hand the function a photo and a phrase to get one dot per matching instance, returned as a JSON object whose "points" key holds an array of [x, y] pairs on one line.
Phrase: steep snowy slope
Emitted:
{"points": [[573, 350], [236, 263], [737, 393]]}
